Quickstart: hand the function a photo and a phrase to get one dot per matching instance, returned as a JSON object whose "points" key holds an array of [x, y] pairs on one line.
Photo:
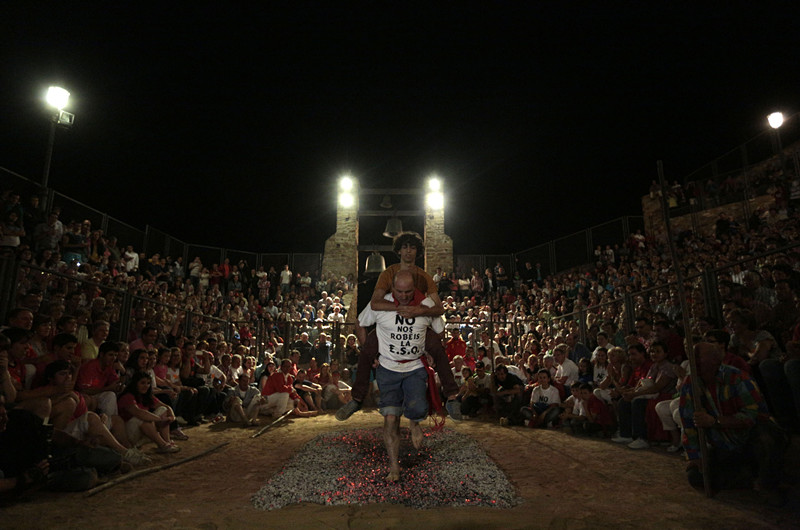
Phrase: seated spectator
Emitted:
{"points": [[618, 374], [658, 385], [599, 366], [336, 393], [567, 371], [309, 391], [672, 340], [479, 391], [145, 416], [90, 348], [77, 431], [545, 402], [187, 405], [761, 351], [280, 394], [507, 396], [244, 402], [456, 345], [599, 417], [466, 375], [457, 369], [743, 438], [42, 334], [98, 379], [268, 368], [572, 411], [585, 374]]}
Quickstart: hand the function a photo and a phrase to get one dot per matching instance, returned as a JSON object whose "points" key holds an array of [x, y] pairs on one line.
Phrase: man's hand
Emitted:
{"points": [[703, 419], [410, 311]]}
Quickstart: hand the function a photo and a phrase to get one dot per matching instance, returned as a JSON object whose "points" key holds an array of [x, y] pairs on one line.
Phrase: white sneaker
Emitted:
{"points": [[639, 444], [622, 439], [136, 457], [674, 448]]}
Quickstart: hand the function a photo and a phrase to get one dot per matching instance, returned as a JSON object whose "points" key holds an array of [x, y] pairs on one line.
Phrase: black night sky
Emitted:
{"points": [[229, 125]]}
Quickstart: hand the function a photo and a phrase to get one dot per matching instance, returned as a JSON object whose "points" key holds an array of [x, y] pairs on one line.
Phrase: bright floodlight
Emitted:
{"points": [[435, 200], [434, 184], [775, 119], [346, 200], [57, 97], [346, 183]]}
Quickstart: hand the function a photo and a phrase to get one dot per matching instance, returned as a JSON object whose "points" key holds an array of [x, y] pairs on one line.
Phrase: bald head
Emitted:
{"points": [[403, 287]]}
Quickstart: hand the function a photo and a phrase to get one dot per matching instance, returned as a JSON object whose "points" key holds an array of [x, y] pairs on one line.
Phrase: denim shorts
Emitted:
{"points": [[403, 393]]}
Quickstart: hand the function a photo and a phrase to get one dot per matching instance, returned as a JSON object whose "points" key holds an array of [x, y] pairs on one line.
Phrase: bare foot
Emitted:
{"points": [[416, 435], [393, 476]]}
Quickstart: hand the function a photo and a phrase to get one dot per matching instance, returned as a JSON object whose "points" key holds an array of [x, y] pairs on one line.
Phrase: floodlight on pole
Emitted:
{"points": [[434, 199], [346, 194], [57, 98], [775, 121]]}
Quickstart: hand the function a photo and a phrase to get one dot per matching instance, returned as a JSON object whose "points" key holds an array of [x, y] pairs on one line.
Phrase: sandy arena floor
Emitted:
{"points": [[566, 482]]}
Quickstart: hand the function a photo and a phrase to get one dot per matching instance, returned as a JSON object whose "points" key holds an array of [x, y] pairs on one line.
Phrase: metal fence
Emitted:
{"points": [[576, 250], [741, 159], [705, 294], [116, 303]]}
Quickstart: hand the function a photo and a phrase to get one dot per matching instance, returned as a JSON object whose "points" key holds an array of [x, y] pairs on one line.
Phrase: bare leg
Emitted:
{"points": [[235, 411], [99, 430], [148, 428], [391, 438], [253, 409], [119, 432], [416, 434], [63, 408], [164, 432]]}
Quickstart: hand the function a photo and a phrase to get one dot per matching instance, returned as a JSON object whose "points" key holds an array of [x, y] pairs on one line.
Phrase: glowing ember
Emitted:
{"points": [[350, 467]]}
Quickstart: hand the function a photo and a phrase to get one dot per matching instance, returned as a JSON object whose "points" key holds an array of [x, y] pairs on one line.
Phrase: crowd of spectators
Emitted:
{"points": [[527, 347], [773, 177]]}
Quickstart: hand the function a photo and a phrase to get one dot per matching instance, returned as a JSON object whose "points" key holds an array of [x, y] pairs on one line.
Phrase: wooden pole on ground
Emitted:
{"points": [[697, 390], [149, 470], [278, 420]]}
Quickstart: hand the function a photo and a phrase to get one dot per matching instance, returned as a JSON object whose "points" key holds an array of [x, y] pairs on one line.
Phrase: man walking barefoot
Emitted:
{"points": [[401, 376]]}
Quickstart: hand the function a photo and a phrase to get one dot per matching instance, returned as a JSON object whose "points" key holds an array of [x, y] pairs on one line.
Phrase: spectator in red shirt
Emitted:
{"points": [[280, 393], [456, 345], [98, 379]]}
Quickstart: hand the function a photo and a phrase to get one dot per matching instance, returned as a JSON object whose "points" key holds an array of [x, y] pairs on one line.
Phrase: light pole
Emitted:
{"points": [[775, 121], [57, 98]]}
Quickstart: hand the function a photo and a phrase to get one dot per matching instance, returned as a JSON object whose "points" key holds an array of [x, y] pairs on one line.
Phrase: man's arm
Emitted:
{"points": [[6, 381], [516, 389], [361, 333]]}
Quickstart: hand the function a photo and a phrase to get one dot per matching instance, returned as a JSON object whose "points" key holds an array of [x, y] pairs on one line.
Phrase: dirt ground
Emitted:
{"points": [[566, 482]]}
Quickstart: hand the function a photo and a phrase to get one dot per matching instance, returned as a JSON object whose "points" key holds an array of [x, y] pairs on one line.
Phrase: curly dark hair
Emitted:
{"points": [[411, 238]]}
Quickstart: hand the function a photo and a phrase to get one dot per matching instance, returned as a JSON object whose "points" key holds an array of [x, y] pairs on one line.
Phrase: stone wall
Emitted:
{"points": [[341, 249], [438, 245], [703, 221]]}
